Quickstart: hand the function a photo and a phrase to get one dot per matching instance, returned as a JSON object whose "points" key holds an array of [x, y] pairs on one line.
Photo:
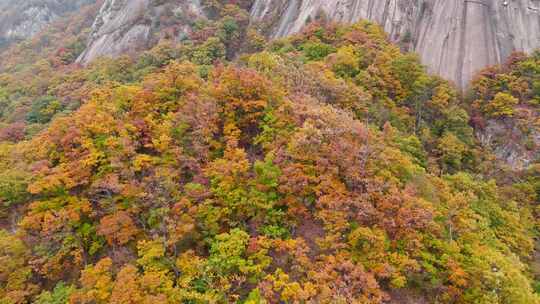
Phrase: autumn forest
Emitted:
{"points": [[325, 167]]}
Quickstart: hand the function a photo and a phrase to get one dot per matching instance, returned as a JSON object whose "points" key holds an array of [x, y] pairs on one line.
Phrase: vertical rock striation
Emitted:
{"points": [[120, 27], [454, 38], [125, 26]]}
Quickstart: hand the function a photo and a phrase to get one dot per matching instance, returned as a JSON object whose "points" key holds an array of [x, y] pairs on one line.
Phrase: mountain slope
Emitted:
{"points": [[219, 166], [329, 168], [453, 38]]}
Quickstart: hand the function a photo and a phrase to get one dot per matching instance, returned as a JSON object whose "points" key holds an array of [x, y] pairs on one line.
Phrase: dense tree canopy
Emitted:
{"points": [[327, 167]]}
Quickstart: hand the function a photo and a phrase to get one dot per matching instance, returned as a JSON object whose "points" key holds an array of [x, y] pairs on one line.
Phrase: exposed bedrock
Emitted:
{"points": [[22, 19], [126, 26], [454, 38]]}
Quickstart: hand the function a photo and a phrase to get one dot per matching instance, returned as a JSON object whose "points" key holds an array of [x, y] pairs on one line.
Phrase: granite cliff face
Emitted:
{"points": [[454, 38], [22, 19], [124, 26]]}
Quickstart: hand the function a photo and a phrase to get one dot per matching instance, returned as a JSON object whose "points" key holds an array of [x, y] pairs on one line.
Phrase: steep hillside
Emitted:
{"points": [[214, 160], [40, 79], [32, 73], [506, 109], [327, 168]]}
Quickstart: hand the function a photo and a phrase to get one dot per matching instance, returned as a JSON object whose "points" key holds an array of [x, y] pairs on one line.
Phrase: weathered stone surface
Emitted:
{"points": [[119, 28], [125, 26], [454, 38], [22, 19], [515, 139]]}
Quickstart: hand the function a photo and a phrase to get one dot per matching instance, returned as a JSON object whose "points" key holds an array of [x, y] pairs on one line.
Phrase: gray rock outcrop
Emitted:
{"points": [[126, 26], [22, 19], [454, 38], [509, 143]]}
